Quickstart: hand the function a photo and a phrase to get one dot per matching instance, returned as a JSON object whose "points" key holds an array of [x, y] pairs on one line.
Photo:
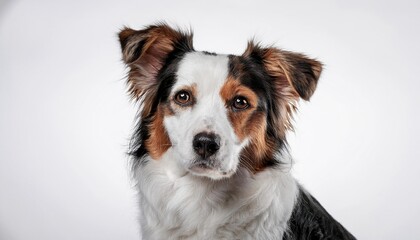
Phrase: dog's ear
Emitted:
{"points": [[293, 75], [288, 68], [145, 53]]}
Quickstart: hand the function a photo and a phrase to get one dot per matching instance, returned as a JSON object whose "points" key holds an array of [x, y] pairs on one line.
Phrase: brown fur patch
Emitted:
{"points": [[158, 141], [260, 148], [249, 123], [239, 119]]}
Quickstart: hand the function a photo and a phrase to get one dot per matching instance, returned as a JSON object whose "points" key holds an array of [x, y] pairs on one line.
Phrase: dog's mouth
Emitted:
{"points": [[200, 168], [208, 169], [200, 165]]}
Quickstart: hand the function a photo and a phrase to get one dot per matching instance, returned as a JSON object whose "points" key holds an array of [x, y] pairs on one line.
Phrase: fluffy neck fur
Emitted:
{"points": [[177, 205]]}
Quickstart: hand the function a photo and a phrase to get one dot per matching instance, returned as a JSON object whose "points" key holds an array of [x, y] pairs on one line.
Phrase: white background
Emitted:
{"points": [[66, 119]]}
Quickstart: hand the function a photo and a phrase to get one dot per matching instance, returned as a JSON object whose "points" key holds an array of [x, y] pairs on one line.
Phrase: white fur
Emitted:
{"points": [[178, 203]]}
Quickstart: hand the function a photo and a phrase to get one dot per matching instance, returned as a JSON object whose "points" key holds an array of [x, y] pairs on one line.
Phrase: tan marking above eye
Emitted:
{"points": [[233, 89]]}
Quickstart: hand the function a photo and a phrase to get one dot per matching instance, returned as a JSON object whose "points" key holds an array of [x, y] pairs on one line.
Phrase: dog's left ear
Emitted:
{"points": [[288, 68], [145, 52]]}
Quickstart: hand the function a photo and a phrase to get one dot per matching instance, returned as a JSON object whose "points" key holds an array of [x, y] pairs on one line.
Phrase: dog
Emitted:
{"points": [[209, 153]]}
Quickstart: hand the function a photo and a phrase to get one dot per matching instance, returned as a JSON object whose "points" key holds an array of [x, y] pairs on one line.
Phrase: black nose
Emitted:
{"points": [[206, 144]]}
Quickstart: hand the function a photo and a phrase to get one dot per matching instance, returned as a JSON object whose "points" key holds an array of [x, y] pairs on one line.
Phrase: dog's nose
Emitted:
{"points": [[206, 144]]}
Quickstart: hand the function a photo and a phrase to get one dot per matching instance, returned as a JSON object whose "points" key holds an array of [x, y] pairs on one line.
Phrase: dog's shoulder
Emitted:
{"points": [[310, 220]]}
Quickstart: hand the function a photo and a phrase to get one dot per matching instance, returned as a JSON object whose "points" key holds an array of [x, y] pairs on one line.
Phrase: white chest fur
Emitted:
{"points": [[177, 205]]}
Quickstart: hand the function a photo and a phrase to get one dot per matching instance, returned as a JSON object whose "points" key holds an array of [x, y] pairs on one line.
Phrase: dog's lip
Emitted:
{"points": [[204, 168], [201, 167]]}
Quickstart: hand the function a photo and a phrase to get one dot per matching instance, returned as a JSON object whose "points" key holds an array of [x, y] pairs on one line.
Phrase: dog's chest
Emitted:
{"points": [[176, 205]]}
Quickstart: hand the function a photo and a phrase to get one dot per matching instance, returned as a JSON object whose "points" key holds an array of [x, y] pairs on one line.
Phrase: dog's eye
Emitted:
{"points": [[240, 103], [182, 98]]}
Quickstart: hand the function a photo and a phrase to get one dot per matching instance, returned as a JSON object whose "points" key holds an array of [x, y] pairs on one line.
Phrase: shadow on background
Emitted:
{"points": [[4, 6]]}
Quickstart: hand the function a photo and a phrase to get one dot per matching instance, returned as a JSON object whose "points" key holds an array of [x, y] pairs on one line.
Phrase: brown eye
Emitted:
{"points": [[240, 103], [183, 98]]}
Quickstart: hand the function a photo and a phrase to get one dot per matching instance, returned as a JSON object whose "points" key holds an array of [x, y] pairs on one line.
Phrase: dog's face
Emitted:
{"points": [[216, 112], [199, 129]]}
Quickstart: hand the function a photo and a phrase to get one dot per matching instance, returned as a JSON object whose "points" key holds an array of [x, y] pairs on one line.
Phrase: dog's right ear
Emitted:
{"points": [[145, 53]]}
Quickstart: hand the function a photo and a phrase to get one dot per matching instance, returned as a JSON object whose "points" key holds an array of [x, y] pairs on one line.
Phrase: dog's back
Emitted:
{"points": [[310, 220]]}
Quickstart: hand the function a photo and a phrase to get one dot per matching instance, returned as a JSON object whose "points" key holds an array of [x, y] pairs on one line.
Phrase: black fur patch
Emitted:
{"points": [[310, 220]]}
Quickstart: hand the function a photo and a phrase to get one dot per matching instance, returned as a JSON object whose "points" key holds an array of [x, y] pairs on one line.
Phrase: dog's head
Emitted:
{"points": [[216, 112]]}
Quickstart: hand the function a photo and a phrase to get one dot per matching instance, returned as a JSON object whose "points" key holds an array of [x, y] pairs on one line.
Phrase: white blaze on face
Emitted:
{"points": [[206, 74]]}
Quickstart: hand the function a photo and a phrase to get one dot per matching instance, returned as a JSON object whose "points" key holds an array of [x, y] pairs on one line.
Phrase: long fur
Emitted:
{"points": [[241, 106]]}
